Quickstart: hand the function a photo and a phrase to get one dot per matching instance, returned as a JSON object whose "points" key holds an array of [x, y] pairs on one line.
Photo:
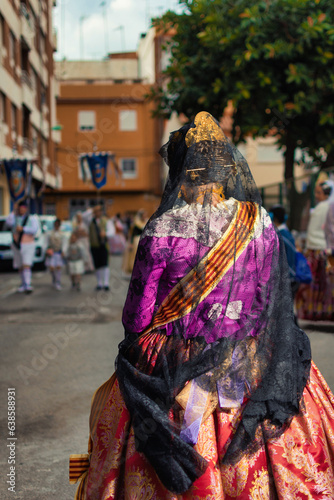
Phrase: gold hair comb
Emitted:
{"points": [[206, 129]]}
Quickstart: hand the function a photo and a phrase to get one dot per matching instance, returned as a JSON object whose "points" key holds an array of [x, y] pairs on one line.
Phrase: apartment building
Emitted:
{"points": [[101, 107], [28, 127]]}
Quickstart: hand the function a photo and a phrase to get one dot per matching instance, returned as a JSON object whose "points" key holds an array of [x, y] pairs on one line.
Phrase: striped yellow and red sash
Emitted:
{"points": [[78, 466], [201, 280]]}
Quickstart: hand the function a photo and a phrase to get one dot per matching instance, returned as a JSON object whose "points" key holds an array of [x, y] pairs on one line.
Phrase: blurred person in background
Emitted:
{"points": [[314, 301], [329, 234], [279, 217], [24, 227], [117, 242], [81, 230], [134, 234], [99, 229], [55, 253], [75, 261]]}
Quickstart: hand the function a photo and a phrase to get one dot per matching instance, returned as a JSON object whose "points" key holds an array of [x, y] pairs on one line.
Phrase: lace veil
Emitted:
{"points": [[226, 339]]}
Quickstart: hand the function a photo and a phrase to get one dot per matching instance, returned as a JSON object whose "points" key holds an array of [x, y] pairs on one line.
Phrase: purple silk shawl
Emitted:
{"points": [[162, 261]]}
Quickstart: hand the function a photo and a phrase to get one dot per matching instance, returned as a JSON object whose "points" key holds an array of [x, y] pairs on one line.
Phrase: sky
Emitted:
{"points": [[89, 29]]}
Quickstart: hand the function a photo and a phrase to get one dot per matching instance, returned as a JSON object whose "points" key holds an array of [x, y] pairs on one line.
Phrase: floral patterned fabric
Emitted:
{"points": [[298, 465], [213, 396]]}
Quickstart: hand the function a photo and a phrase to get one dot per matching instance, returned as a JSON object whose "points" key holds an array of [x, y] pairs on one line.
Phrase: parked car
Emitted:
{"points": [[6, 238]]}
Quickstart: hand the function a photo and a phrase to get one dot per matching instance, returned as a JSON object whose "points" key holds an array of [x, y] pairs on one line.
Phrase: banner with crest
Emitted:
{"points": [[95, 167], [18, 177], [98, 163]]}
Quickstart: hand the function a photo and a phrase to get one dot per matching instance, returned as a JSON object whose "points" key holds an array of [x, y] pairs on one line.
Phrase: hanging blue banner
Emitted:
{"points": [[16, 172], [98, 163]]}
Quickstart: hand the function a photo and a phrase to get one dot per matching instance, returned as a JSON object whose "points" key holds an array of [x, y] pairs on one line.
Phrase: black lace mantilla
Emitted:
{"points": [[275, 361]]}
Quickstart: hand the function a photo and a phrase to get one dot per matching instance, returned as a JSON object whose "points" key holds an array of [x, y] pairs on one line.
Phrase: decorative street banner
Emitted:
{"points": [[16, 172], [98, 163], [97, 167]]}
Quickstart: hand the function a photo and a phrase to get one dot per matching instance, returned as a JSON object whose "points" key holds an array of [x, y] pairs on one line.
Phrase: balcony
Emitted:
{"points": [[45, 129], [43, 23], [3, 54], [27, 145], [28, 91], [27, 26], [25, 78]]}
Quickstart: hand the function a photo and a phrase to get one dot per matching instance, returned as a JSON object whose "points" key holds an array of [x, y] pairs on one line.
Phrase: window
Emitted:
{"points": [[24, 57], [42, 95], [12, 47], [41, 43], [86, 120], [128, 120], [2, 31], [14, 117], [34, 139], [35, 85], [129, 168], [2, 108], [26, 126]]}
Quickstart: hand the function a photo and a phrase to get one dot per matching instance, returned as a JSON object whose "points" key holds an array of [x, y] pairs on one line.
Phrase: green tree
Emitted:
{"points": [[273, 58]]}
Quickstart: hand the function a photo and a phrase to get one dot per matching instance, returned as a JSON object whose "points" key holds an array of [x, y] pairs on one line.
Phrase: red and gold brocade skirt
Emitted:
{"points": [[298, 465]]}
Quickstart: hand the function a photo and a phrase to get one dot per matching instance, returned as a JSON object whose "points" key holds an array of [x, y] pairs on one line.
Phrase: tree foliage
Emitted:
{"points": [[273, 58]]}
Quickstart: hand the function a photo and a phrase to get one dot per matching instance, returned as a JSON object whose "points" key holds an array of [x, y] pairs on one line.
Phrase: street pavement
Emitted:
{"points": [[56, 349]]}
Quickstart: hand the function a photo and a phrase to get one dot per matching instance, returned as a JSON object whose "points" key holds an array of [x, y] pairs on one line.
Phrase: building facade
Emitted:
{"points": [[28, 127], [101, 107]]}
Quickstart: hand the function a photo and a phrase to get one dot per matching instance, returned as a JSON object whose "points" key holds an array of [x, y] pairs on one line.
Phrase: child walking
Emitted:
{"points": [[55, 254], [75, 260]]}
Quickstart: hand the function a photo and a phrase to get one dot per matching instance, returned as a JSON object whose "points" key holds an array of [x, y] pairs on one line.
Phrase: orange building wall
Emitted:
{"points": [[107, 100]]}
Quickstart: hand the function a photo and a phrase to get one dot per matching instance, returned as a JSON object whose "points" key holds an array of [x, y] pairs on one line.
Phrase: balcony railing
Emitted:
{"points": [[25, 78], [27, 144], [25, 13], [28, 28]]}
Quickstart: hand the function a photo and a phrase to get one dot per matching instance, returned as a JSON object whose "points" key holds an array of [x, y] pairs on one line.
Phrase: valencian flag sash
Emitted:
{"points": [[16, 172], [98, 163], [201, 280]]}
